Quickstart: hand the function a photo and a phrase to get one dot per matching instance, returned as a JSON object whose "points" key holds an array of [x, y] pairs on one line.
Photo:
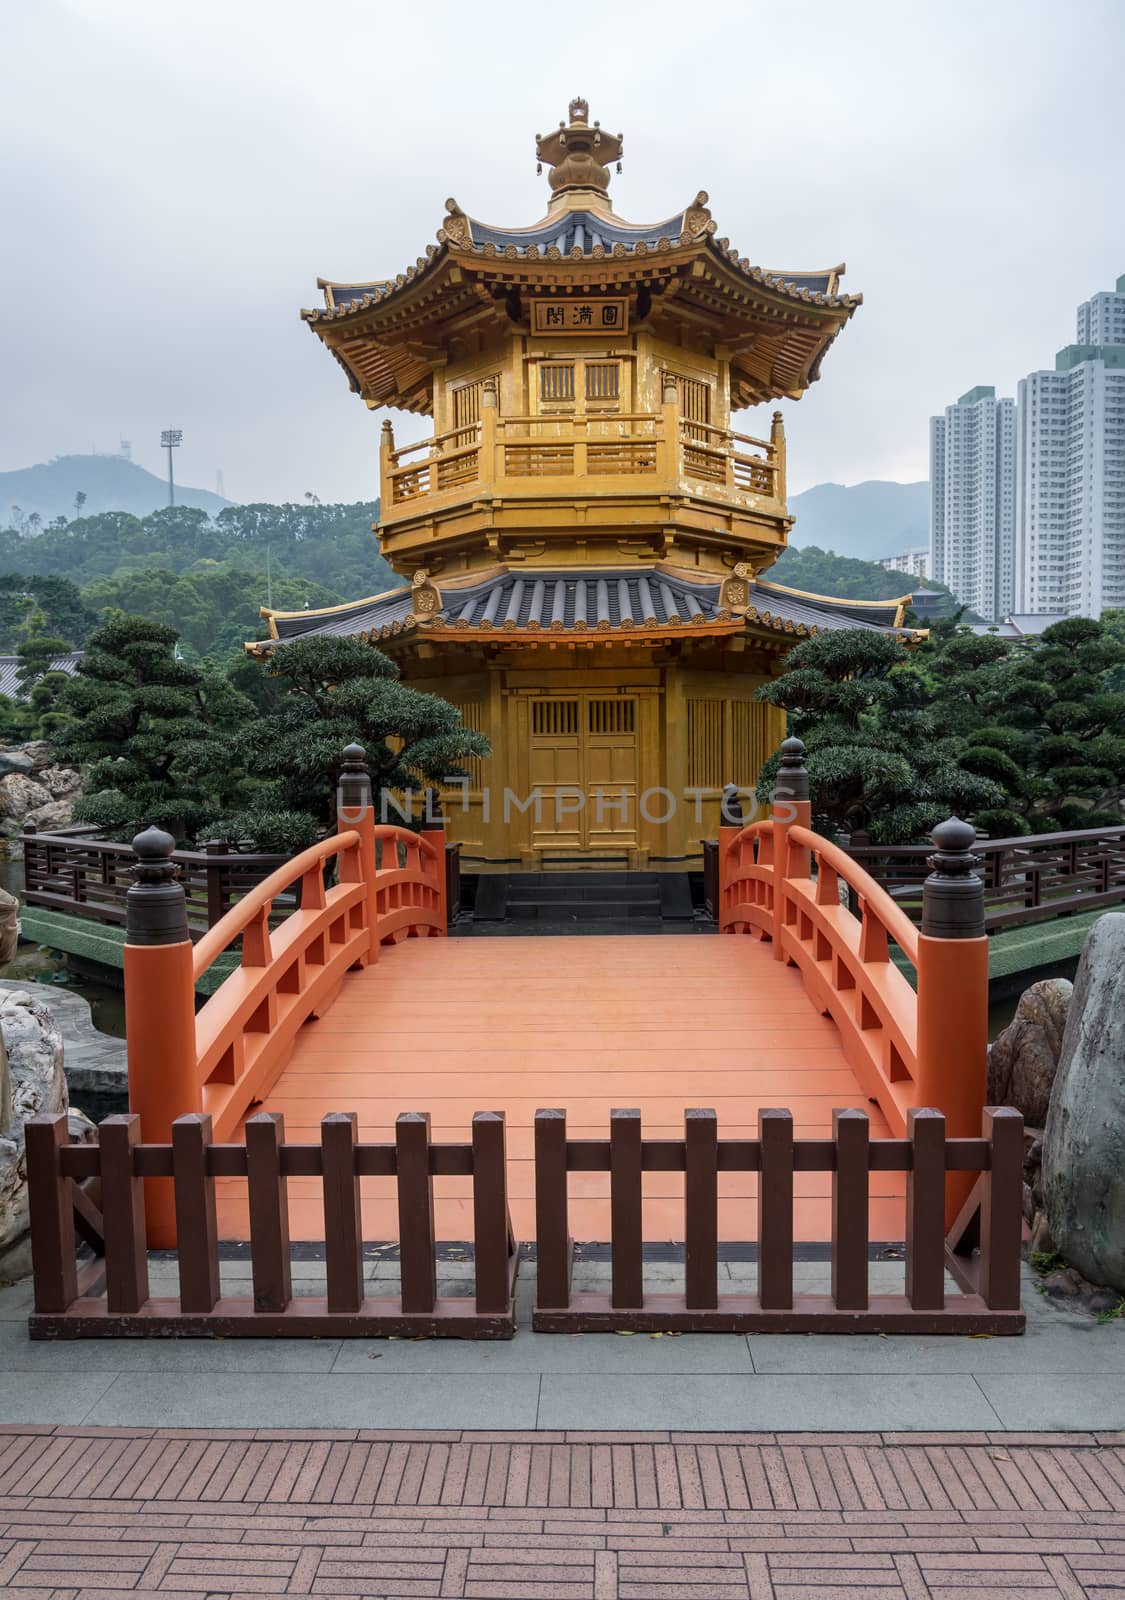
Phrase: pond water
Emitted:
{"points": [[35, 964]]}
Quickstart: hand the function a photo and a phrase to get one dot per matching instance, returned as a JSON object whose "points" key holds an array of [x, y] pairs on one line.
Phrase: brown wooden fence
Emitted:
{"points": [[98, 1192], [89, 878], [982, 1252], [1027, 879]]}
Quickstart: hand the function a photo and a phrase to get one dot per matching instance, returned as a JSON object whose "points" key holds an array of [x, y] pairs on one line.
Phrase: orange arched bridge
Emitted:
{"points": [[812, 1075]]}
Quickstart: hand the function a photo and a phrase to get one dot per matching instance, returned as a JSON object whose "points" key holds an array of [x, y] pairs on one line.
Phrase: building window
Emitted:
{"points": [[603, 380], [556, 382], [466, 401]]}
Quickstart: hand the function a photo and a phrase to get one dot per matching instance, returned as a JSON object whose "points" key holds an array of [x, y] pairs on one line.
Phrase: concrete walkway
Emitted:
{"points": [[510, 1516], [1067, 1372]]}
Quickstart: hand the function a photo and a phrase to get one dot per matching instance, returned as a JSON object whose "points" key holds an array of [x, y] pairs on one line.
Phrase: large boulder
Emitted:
{"points": [[39, 752], [20, 794], [1022, 1060], [1084, 1142], [61, 781], [55, 814], [34, 1083], [15, 761]]}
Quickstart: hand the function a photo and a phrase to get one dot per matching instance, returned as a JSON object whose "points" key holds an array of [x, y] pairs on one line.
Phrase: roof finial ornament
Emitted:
{"points": [[579, 153]]}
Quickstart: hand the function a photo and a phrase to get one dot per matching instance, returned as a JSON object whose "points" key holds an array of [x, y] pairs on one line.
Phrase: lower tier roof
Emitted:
{"points": [[627, 599]]}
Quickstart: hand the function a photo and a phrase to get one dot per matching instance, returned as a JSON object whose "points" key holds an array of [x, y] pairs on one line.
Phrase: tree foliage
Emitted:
{"points": [[327, 693], [1019, 737], [152, 733]]}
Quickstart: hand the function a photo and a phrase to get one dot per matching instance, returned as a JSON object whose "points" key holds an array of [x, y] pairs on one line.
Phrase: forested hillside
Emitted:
{"points": [[206, 578]]}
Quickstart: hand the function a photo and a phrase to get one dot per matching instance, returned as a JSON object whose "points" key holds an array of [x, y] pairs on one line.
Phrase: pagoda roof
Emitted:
{"points": [[777, 322], [634, 600]]}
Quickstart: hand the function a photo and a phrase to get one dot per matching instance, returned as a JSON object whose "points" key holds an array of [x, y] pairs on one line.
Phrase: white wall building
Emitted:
{"points": [[916, 561], [972, 501], [1070, 501]]}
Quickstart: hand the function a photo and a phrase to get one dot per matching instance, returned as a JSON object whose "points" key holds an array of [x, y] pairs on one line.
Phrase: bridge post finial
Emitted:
{"points": [[155, 903], [730, 809], [353, 786], [163, 1072], [355, 813], [792, 781], [953, 894], [791, 809]]}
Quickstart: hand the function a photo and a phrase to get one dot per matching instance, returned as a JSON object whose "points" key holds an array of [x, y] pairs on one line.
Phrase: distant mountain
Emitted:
{"points": [[110, 483], [866, 520]]}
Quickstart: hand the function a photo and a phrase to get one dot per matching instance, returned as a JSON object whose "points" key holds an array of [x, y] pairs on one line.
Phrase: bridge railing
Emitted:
{"points": [[911, 1044], [1029, 878], [360, 888], [113, 1296]]}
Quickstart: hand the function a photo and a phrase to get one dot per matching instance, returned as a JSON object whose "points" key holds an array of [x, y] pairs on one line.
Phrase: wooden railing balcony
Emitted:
{"points": [[620, 452]]}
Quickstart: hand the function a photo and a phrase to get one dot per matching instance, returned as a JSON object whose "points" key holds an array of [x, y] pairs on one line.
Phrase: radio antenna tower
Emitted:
{"points": [[169, 440]]}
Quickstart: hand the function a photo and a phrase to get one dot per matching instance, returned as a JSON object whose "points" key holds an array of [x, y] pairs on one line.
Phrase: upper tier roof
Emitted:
{"points": [[389, 333]]}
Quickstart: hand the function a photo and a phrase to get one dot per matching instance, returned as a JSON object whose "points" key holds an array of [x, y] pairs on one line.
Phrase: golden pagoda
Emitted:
{"points": [[583, 537]]}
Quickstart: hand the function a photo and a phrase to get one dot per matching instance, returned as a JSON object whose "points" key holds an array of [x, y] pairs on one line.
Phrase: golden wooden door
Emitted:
{"points": [[582, 763]]}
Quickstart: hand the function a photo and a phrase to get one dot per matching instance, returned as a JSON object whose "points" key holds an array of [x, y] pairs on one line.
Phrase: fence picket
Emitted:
{"points": [[701, 1210], [627, 1266], [55, 1268], [417, 1254], [268, 1201], [197, 1241], [490, 1211], [775, 1210], [343, 1228], [925, 1211], [552, 1228], [850, 1209], [1001, 1222], [123, 1215]]}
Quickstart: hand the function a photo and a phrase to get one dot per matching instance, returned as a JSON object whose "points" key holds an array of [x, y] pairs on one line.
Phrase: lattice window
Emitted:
{"points": [[748, 734], [553, 717], [556, 382], [603, 380], [695, 401], [705, 744], [472, 717], [612, 716], [466, 402]]}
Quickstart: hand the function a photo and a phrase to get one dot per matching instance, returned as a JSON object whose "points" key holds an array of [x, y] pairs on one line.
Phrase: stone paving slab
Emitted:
{"points": [[89, 1514], [1067, 1371]]}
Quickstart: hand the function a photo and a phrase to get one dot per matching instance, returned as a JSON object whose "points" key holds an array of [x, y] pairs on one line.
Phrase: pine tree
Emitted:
{"points": [[155, 737], [328, 693]]}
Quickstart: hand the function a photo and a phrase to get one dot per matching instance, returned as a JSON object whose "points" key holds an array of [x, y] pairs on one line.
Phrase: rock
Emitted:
{"points": [[35, 1068], [1084, 1142], [14, 761], [19, 795], [55, 814], [60, 781], [9, 930], [1063, 1284], [1023, 1060], [39, 753]]}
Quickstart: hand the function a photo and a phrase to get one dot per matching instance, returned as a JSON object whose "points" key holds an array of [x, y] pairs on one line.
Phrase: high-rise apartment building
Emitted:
{"points": [[916, 561], [972, 501], [1070, 501]]}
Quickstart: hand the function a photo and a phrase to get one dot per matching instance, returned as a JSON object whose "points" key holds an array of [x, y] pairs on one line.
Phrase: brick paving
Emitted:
{"points": [[89, 1514]]}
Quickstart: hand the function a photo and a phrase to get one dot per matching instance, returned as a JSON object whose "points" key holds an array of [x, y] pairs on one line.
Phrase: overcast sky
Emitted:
{"points": [[175, 174]]}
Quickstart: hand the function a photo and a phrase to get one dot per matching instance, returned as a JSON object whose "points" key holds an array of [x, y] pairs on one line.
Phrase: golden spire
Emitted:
{"points": [[578, 153]]}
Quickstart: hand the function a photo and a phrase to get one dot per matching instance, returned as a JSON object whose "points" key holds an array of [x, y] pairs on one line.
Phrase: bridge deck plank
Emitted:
{"points": [[453, 1026]]}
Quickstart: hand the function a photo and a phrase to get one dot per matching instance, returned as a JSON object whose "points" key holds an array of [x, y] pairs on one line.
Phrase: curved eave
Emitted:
{"points": [[838, 604]]}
